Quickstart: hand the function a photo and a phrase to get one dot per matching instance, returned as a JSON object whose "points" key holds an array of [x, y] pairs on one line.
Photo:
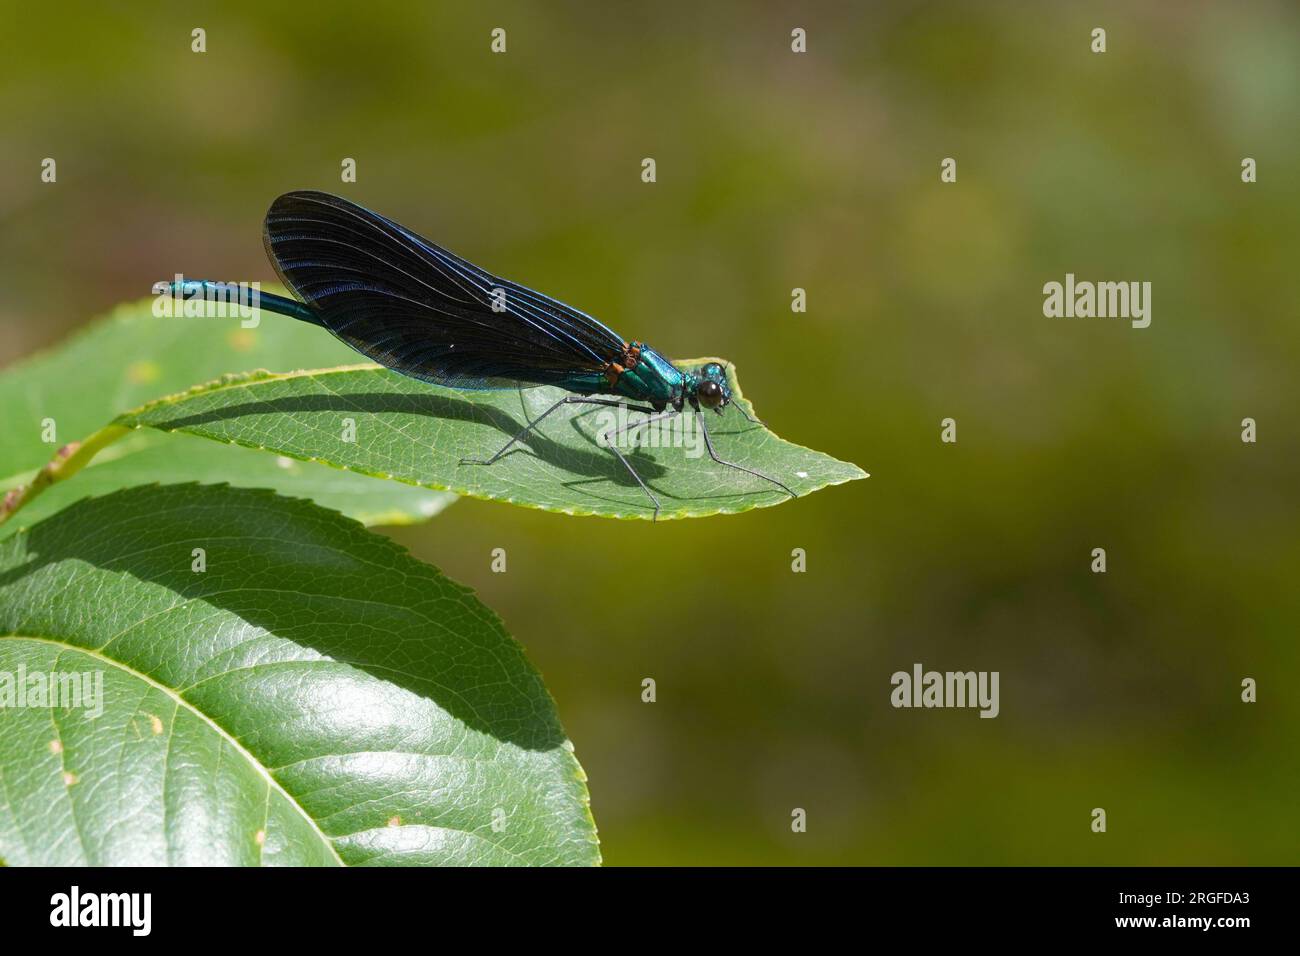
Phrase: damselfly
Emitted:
{"points": [[417, 309]]}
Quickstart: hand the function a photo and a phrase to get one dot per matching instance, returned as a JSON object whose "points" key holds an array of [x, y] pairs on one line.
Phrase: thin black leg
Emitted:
{"points": [[609, 440], [748, 417], [568, 400], [736, 406], [708, 443]]}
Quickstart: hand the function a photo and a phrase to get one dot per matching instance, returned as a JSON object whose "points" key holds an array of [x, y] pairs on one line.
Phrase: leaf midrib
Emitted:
{"points": [[180, 701]]}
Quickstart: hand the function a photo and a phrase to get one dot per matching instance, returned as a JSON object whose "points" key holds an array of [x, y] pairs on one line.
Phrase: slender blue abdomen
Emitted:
{"points": [[229, 292]]}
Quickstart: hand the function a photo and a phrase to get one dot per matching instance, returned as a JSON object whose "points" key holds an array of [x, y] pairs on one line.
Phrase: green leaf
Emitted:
{"points": [[315, 696], [417, 433], [130, 357]]}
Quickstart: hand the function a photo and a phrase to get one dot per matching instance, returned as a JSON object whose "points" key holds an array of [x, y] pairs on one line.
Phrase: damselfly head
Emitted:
{"points": [[711, 388]]}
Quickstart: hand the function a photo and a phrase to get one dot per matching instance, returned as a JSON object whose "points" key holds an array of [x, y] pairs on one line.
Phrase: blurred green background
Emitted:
{"points": [[821, 171]]}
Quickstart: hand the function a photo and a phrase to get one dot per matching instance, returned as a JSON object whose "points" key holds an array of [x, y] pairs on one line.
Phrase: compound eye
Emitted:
{"points": [[709, 394]]}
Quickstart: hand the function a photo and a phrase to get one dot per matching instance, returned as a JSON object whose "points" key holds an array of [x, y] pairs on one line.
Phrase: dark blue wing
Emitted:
{"points": [[418, 309]]}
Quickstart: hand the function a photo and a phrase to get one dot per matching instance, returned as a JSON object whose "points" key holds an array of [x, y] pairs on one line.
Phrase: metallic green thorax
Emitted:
{"points": [[653, 379]]}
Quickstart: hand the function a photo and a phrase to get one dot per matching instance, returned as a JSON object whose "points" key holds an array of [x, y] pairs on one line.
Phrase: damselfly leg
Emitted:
{"points": [[613, 446], [607, 437], [610, 439], [570, 400], [708, 443]]}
